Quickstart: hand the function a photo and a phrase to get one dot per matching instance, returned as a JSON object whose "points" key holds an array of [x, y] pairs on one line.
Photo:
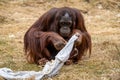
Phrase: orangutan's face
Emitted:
{"points": [[65, 24]]}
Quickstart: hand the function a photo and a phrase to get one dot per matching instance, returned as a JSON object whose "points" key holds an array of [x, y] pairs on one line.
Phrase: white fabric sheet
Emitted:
{"points": [[50, 69]]}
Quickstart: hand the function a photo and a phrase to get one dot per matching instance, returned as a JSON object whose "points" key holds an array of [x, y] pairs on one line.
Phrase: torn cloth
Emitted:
{"points": [[50, 69]]}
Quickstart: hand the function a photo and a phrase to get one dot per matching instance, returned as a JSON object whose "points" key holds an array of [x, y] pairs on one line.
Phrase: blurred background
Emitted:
{"points": [[102, 20]]}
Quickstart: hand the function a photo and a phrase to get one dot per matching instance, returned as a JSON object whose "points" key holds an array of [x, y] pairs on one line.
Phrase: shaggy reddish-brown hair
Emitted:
{"points": [[44, 31]]}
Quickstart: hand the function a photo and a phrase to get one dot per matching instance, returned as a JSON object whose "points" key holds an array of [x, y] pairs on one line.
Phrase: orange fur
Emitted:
{"points": [[43, 35]]}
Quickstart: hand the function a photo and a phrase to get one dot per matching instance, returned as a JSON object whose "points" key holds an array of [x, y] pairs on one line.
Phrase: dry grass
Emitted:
{"points": [[103, 23]]}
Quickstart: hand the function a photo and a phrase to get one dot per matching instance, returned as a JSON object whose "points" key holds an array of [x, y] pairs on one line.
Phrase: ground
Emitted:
{"points": [[102, 19]]}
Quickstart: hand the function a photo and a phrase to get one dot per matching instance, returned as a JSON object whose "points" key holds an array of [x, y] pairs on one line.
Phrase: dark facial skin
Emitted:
{"points": [[65, 25]]}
